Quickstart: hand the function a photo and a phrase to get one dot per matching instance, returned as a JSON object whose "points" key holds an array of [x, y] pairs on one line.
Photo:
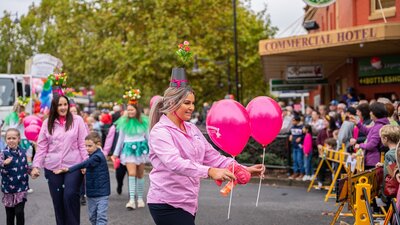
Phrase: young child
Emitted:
{"points": [[330, 144], [296, 138], [307, 150], [390, 136], [97, 179], [14, 171]]}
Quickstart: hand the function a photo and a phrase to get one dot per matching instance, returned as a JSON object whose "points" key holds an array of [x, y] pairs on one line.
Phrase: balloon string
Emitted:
{"points": [[261, 177], [230, 197]]}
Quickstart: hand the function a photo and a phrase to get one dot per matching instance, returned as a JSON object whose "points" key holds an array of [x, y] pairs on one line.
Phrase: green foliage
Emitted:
{"points": [[117, 44]]}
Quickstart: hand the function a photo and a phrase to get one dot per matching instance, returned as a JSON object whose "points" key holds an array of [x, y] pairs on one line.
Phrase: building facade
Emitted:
{"points": [[351, 45]]}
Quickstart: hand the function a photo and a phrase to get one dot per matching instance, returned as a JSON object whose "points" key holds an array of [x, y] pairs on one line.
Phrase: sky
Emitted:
{"points": [[285, 14]]}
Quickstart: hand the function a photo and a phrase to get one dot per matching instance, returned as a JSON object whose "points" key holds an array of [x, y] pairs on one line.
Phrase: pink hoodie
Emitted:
{"points": [[62, 149], [307, 145], [179, 161]]}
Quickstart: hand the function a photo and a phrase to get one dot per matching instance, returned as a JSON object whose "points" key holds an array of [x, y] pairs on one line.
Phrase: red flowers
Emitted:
{"points": [[184, 52]]}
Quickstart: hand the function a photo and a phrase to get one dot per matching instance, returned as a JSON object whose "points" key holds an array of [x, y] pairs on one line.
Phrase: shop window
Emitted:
{"points": [[385, 4], [388, 9]]}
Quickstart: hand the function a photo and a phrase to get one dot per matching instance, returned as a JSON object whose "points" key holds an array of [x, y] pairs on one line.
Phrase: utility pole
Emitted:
{"points": [[236, 50]]}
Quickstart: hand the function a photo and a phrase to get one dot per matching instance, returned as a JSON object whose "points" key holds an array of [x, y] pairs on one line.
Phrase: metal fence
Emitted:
{"points": [[278, 153]]}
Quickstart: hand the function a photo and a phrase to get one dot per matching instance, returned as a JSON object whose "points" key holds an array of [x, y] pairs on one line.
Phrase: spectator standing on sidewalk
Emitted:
{"points": [[373, 144], [287, 114], [346, 131], [307, 150], [296, 138]]}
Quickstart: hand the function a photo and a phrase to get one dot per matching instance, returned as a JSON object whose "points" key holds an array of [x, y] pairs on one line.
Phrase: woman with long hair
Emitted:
{"points": [[181, 156], [133, 151], [61, 144]]}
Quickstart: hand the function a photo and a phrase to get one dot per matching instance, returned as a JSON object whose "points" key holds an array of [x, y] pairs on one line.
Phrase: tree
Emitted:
{"points": [[117, 44]]}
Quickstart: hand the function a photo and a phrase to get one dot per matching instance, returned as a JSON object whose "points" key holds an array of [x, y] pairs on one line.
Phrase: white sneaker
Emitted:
{"points": [[140, 203], [319, 186], [310, 177], [131, 205], [305, 178], [30, 190]]}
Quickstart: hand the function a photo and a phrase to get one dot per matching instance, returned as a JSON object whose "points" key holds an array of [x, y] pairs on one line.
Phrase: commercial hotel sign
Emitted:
{"points": [[314, 41]]}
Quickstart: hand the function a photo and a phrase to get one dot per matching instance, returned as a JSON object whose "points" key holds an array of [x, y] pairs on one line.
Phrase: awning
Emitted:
{"points": [[331, 49]]}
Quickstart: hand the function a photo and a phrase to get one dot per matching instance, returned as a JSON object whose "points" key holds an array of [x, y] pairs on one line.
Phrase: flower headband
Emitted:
{"points": [[133, 95], [23, 101], [57, 81]]}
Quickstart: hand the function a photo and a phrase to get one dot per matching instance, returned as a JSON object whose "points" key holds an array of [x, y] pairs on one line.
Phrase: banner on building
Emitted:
{"points": [[301, 72], [295, 85], [319, 3], [379, 70]]}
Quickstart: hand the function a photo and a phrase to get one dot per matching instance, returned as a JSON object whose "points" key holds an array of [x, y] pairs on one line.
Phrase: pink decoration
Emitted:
{"points": [[117, 163], [228, 126], [32, 132], [32, 119], [265, 119], [154, 99]]}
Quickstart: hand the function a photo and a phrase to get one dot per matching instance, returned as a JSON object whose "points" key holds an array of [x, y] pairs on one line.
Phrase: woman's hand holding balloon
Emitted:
{"points": [[257, 170]]}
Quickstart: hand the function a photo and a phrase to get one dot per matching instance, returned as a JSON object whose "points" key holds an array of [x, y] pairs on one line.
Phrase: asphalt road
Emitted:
{"points": [[277, 206]]}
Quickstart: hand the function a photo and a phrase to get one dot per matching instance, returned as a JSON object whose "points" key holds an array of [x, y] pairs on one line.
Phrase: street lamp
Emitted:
{"points": [[236, 50]]}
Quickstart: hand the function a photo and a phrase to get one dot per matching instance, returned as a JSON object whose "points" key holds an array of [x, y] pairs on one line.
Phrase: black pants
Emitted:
{"points": [[164, 214], [120, 175], [64, 190], [16, 212]]}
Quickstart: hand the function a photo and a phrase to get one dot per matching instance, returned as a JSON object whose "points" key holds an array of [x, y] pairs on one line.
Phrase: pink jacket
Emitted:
{"points": [[62, 149], [179, 161], [109, 140], [307, 145]]}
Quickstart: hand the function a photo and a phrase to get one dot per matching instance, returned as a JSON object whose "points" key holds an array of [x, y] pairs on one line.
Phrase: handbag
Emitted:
{"points": [[391, 184]]}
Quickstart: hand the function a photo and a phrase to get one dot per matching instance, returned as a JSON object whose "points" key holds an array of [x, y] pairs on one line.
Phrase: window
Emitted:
{"points": [[388, 9], [385, 4], [7, 92]]}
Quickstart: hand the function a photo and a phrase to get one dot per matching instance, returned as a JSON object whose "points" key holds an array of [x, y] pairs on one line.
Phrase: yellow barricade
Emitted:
{"points": [[340, 157]]}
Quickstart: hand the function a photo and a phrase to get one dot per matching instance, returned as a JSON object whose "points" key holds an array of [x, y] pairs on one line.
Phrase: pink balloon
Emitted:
{"points": [[32, 119], [32, 132], [228, 126], [265, 119], [154, 99]]}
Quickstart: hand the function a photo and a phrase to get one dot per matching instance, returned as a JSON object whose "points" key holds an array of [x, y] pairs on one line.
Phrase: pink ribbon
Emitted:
{"points": [[59, 91], [178, 82]]}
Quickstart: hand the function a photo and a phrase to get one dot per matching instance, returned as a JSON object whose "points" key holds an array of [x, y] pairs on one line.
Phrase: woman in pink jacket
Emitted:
{"points": [[61, 144], [181, 156]]}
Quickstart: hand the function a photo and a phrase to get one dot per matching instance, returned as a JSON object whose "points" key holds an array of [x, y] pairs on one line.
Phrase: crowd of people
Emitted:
{"points": [[359, 127]]}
